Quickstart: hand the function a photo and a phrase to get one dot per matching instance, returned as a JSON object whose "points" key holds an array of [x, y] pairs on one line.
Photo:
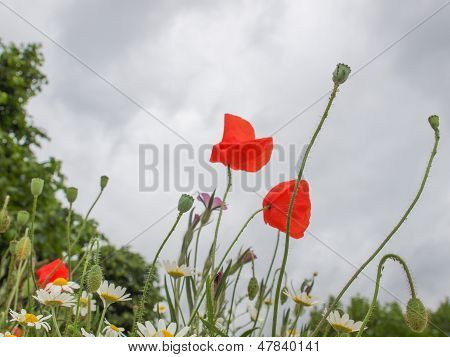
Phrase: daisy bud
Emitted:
{"points": [[434, 122], [71, 194], [252, 288], [284, 296], [22, 218], [94, 278], [23, 247], [185, 203], [37, 185], [416, 315], [103, 182], [341, 73]]}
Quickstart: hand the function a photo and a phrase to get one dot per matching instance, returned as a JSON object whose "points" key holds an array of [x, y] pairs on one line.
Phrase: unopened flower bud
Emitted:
{"points": [[284, 296], [416, 315], [5, 221], [185, 203], [22, 218], [71, 194], [341, 73], [103, 182], [434, 121], [23, 247], [94, 278], [37, 185], [252, 288], [13, 247]]}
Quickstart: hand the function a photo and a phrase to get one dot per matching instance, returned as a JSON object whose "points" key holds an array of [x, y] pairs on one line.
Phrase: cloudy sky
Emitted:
{"points": [[187, 63]]}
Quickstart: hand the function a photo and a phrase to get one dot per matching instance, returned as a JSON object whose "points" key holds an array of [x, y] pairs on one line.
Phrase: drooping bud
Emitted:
{"points": [[37, 185], [22, 218], [23, 247], [185, 203], [341, 73], [5, 220], [104, 181], [94, 278], [416, 315], [434, 122], [71, 194], [252, 288], [284, 296]]}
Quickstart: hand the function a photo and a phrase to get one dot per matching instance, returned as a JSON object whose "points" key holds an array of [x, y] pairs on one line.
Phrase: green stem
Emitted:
{"points": [[14, 292], [377, 287], [150, 275], [55, 322], [69, 245], [232, 298], [291, 206], [197, 238], [102, 318], [390, 235], [219, 218]]}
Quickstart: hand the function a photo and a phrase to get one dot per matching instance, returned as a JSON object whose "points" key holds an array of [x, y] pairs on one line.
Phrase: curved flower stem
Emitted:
{"points": [[69, 244], [291, 206], [150, 275], [377, 287], [55, 322], [390, 235], [102, 318], [219, 218]]}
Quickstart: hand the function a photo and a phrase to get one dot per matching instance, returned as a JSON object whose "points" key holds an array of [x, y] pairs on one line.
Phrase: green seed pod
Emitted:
{"points": [[416, 315], [5, 221], [94, 278], [252, 288], [103, 182], [13, 247], [434, 122], [284, 297], [37, 185], [341, 73], [23, 247], [185, 203], [22, 218], [71, 194]]}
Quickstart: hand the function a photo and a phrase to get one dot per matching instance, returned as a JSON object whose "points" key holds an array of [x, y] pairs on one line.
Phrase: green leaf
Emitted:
{"points": [[209, 300], [213, 328], [249, 332]]}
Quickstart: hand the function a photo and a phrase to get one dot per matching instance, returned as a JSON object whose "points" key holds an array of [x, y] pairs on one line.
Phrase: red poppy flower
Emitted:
{"points": [[52, 271], [239, 149], [278, 200]]}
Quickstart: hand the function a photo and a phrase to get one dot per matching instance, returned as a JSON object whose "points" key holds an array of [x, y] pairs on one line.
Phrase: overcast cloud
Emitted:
{"points": [[189, 62]]}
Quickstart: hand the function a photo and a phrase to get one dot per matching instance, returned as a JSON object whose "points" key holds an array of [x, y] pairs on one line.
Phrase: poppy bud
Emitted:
{"points": [[434, 122], [12, 247], [252, 288], [5, 221], [23, 247], [22, 218], [94, 278], [103, 182], [284, 297], [185, 203], [37, 185], [341, 73], [416, 315], [71, 194]]}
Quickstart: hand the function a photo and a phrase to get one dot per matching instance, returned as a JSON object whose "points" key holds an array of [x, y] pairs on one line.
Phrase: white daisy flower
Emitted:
{"points": [[30, 320], [251, 309], [148, 330], [85, 300], [343, 323], [61, 285], [86, 334], [160, 307], [110, 294], [268, 302], [302, 299], [112, 330], [54, 299], [175, 271], [7, 334]]}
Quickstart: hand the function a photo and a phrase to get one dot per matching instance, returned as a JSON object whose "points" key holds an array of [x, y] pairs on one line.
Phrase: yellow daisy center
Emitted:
{"points": [[342, 328], [166, 333], [83, 301], [176, 273], [31, 318], [301, 301], [108, 297], [114, 327], [162, 309], [60, 282], [9, 335]]}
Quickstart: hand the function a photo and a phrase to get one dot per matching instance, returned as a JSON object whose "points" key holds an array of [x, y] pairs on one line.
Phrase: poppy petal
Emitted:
{"points": [[237, 129], [52, 271]]}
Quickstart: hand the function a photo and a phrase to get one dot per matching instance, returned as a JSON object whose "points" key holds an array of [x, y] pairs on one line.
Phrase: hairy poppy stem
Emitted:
{"points": [[291, 205], [377, 287], [394, 230], [219, 218]]}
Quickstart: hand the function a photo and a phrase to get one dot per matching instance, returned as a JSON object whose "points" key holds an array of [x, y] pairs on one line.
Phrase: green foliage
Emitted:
{"points": [[21, 79]]}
